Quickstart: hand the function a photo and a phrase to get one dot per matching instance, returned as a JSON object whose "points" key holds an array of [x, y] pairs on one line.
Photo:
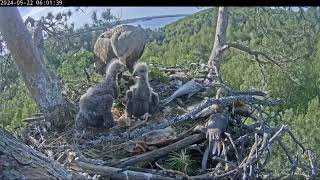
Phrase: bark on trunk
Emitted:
{"points": [[19, 161], [117, 173], [219, 41], [43, 85]]}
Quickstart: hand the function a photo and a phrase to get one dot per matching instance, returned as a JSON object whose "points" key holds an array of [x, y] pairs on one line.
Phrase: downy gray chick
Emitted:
{"points": [[141, 97], [96, 103]]}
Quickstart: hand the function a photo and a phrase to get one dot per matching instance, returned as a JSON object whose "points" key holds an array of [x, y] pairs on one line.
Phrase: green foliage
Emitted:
{"points": [[307, 125], [185, 41], [9, 73], [290, 38], [181, 162], [15, 108], [155, 73], [69, 40], [77, 70], [75, 65]]}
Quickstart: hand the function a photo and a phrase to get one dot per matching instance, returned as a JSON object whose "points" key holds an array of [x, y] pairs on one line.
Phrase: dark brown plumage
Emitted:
{"points": [[217, 124], [125, 42]]}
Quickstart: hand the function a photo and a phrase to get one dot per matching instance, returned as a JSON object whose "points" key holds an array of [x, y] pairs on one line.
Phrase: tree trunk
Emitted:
{"points": [[219, 41], [19, 161], [42, 84]]}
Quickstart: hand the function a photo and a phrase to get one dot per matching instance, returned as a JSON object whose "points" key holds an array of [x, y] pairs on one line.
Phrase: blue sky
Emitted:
{"points": [[123, 12], [79, 18]]}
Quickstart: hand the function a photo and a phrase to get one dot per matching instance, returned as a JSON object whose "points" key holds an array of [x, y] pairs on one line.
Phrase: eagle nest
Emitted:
{"points": [[185, 139]]}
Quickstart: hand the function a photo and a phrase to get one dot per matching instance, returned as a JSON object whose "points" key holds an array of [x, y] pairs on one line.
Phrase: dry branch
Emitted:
{"points": [[313, 163], [173, 70], [215, 58], [211, 176], [115, 173], [152, 155], [251, 93], [19, 161], [250, 51]]}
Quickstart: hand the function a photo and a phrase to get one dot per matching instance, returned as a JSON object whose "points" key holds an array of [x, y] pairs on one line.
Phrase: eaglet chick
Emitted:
{"points": [[141, 97], [96, 103]]}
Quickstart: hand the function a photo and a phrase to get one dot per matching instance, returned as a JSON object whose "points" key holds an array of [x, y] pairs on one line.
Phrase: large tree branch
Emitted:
{"points": [[43, 85], [19, 161], [215, 58], [152, 155], [114, 173], [250, 51]]}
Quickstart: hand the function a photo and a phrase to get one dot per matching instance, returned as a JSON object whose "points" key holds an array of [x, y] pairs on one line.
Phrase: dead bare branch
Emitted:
{"points": [[114, 173], [152, 155]]}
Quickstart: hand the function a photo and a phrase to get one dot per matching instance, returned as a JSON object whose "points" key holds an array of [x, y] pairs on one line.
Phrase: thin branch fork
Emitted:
{"points": [[275, 137], [250, 51], [247, 162], [277, 134], [250, 160], [256, 55], [254, 153]]}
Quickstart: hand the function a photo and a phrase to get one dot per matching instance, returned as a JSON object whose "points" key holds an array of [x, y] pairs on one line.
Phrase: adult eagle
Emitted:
{"points": [[125, 42]]}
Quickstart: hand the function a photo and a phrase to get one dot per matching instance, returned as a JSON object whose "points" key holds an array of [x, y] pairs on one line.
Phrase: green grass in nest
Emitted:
{"points": [[181, 162]]}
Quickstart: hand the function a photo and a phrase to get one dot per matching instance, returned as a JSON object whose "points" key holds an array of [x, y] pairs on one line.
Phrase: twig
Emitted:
{"points": [[277, 134], [87, 75], [250, 93], [295, 140], [210, 176], [234, 146], [252, 150], [224, 161], [173, 171], [286, 150], [205, 158], [139, 124], [32, 119]]}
